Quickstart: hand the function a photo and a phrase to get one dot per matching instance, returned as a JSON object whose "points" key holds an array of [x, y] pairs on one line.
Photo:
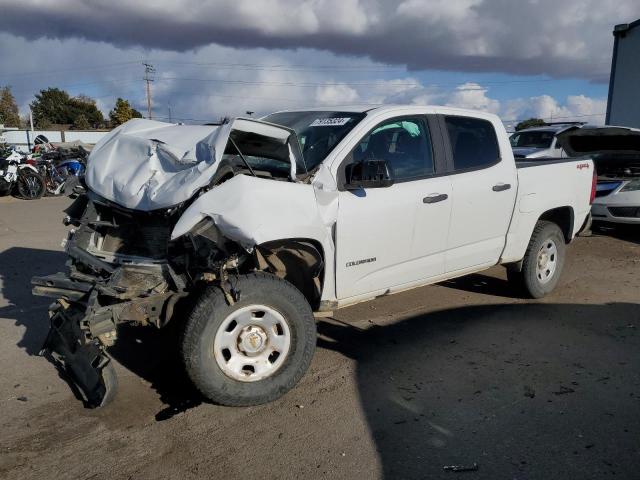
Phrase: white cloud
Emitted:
{"points": [[473, 96], [336, 95]]}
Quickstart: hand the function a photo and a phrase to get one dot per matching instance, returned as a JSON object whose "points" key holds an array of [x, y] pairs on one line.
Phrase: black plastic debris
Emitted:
{"points": [[461, 468]]}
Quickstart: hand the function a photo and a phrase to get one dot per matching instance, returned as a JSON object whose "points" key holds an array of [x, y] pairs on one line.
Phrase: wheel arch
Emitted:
{"points": [[300, 261], [564, 217]]}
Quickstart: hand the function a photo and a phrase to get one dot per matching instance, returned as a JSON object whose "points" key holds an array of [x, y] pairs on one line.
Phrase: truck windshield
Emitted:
{"points": [[539, 139], [318, 131]]}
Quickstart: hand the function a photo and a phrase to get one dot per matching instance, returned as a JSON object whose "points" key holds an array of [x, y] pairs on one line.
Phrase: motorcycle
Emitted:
{"points": [[60, 166], [19, 178]]}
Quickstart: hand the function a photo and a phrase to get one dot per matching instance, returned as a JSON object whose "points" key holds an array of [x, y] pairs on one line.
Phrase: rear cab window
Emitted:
{"points": [[473, 141]]}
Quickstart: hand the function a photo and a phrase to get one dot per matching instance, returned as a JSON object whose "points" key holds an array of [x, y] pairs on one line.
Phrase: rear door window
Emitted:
{"points": [[474, 143]]}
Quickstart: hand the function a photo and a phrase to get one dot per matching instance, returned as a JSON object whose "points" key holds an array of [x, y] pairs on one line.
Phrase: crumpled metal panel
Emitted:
{"points": [[148, 165]]}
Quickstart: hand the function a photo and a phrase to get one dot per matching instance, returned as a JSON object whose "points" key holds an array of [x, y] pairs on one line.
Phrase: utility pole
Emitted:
{"points": [[148, 71]]}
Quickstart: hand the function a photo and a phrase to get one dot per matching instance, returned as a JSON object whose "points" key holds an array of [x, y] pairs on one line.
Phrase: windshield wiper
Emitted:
{"points": [[244, 160]]}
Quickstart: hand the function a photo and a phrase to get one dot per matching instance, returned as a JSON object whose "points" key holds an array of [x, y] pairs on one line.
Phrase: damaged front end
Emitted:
{"points": [[122, 268], [170, 210]]}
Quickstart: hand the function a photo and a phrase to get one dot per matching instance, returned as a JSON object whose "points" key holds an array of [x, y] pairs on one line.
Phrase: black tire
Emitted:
{"points": [[527, 280], [30, 185], [209, 313]]}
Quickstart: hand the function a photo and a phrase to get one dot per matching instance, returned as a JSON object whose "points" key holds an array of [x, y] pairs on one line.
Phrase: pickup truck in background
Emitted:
{"points": [[241, 231]]}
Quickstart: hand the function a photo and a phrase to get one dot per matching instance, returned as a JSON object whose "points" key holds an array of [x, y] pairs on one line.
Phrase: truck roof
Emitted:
{"points": [[366, 108]]}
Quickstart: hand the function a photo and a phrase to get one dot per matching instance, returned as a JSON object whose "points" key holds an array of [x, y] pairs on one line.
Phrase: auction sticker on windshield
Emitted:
{"points": [[329, 122]]}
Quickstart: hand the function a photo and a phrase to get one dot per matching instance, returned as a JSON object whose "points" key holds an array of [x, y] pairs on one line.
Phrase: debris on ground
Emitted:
{"points": [[529, 391], [461, 468], [563, 390]]}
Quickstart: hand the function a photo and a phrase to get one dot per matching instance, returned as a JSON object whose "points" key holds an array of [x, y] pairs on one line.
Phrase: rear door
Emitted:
{"points": [[396, 235], [483, 193]]}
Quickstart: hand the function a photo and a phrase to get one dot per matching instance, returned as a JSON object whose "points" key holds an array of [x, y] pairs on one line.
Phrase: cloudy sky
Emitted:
{"points": [[544, 58]]}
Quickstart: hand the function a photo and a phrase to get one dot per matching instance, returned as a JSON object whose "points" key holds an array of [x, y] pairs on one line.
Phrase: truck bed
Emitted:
{"points": [[524, 163]]}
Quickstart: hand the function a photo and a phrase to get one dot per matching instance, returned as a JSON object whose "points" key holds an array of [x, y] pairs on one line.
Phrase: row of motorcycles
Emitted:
{"points": [[48, 170]]}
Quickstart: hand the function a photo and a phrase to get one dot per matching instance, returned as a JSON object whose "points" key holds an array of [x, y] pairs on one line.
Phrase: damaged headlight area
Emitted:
{"points": [[123, 268]]}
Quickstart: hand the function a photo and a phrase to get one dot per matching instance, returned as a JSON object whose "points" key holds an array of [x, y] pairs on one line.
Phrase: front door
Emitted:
{"points": [[388, 237]]}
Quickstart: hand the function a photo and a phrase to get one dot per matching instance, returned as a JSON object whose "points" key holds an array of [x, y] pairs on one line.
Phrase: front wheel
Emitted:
{"points": [[31, 185], [543, 261], [253, 351]]}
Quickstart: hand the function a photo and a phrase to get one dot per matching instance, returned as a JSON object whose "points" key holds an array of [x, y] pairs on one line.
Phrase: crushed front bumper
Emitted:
{"points": [[88, 308], [81, 358]]}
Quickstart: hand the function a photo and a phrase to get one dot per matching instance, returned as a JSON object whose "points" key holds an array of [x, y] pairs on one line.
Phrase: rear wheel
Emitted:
{"points": [[31, 185], [253, 351], [543, 261]]}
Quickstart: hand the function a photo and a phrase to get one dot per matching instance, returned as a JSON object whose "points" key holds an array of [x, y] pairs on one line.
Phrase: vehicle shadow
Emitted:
{"points": [[484, 284], [513, 388], [17, 266], [153, 354], [628, 233]]}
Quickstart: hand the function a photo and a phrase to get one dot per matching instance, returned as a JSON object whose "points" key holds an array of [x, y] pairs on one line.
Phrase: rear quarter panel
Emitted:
{"points": [[544, 187]]}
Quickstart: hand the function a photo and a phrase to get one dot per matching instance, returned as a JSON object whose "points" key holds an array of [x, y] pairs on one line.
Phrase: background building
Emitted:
{"points": [[623, 105]]}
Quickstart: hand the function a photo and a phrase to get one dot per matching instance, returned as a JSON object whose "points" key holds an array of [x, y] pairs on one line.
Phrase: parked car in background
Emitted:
{"points": [[259, 224], [616, 153], [539, 142]]}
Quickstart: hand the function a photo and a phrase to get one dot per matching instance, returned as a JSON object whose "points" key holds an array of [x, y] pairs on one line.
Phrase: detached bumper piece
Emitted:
{"points": [[80, 356]]}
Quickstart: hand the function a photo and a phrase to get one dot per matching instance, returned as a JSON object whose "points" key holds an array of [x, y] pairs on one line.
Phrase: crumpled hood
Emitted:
{"points": [[147, 165], [608, 140]]}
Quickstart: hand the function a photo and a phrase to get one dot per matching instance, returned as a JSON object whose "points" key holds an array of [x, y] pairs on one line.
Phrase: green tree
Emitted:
{"points": [[50, 106], [530, 122], [85, 106], [55, 106], [122, 112], [81, 122], [9, 113]]}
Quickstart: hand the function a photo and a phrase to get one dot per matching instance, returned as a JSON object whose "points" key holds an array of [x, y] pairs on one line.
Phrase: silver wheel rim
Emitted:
{"points": [[252, 343], [547, 261]]}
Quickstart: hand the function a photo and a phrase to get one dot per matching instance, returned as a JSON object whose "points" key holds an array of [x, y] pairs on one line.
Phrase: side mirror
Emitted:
{"points": [[368, 174]]}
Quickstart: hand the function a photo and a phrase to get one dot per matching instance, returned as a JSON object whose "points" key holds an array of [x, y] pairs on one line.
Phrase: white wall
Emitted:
{"points": [[21, 138]]}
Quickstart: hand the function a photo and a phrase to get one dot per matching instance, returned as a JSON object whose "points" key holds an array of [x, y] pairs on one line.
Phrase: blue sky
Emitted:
{"points": [[225, 57]]}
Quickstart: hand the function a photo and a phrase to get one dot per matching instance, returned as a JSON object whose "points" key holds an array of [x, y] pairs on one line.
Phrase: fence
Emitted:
{"points": [[23, 139]]}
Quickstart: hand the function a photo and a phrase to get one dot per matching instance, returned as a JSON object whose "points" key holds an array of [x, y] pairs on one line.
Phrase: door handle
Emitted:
{"points": [[435, 198], [501, 187]]}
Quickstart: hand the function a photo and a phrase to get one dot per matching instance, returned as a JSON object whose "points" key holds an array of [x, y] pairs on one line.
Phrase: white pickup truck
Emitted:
{"points": [[241, 231]]}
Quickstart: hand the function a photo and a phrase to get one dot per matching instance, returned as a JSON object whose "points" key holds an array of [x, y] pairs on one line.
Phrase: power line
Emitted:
{"points": [[471, 85], [106, 66], [556, 117]]}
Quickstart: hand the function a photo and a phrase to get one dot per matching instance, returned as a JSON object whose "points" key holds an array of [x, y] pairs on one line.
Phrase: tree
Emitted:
{"points": [[122, 112], [51, 106], [55, 106], [9, 113], [531, 122], [85, 106], [81, 122]]}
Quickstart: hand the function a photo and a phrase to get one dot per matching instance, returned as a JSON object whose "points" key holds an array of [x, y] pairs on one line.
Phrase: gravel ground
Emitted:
{"points": [[452, 374]]}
